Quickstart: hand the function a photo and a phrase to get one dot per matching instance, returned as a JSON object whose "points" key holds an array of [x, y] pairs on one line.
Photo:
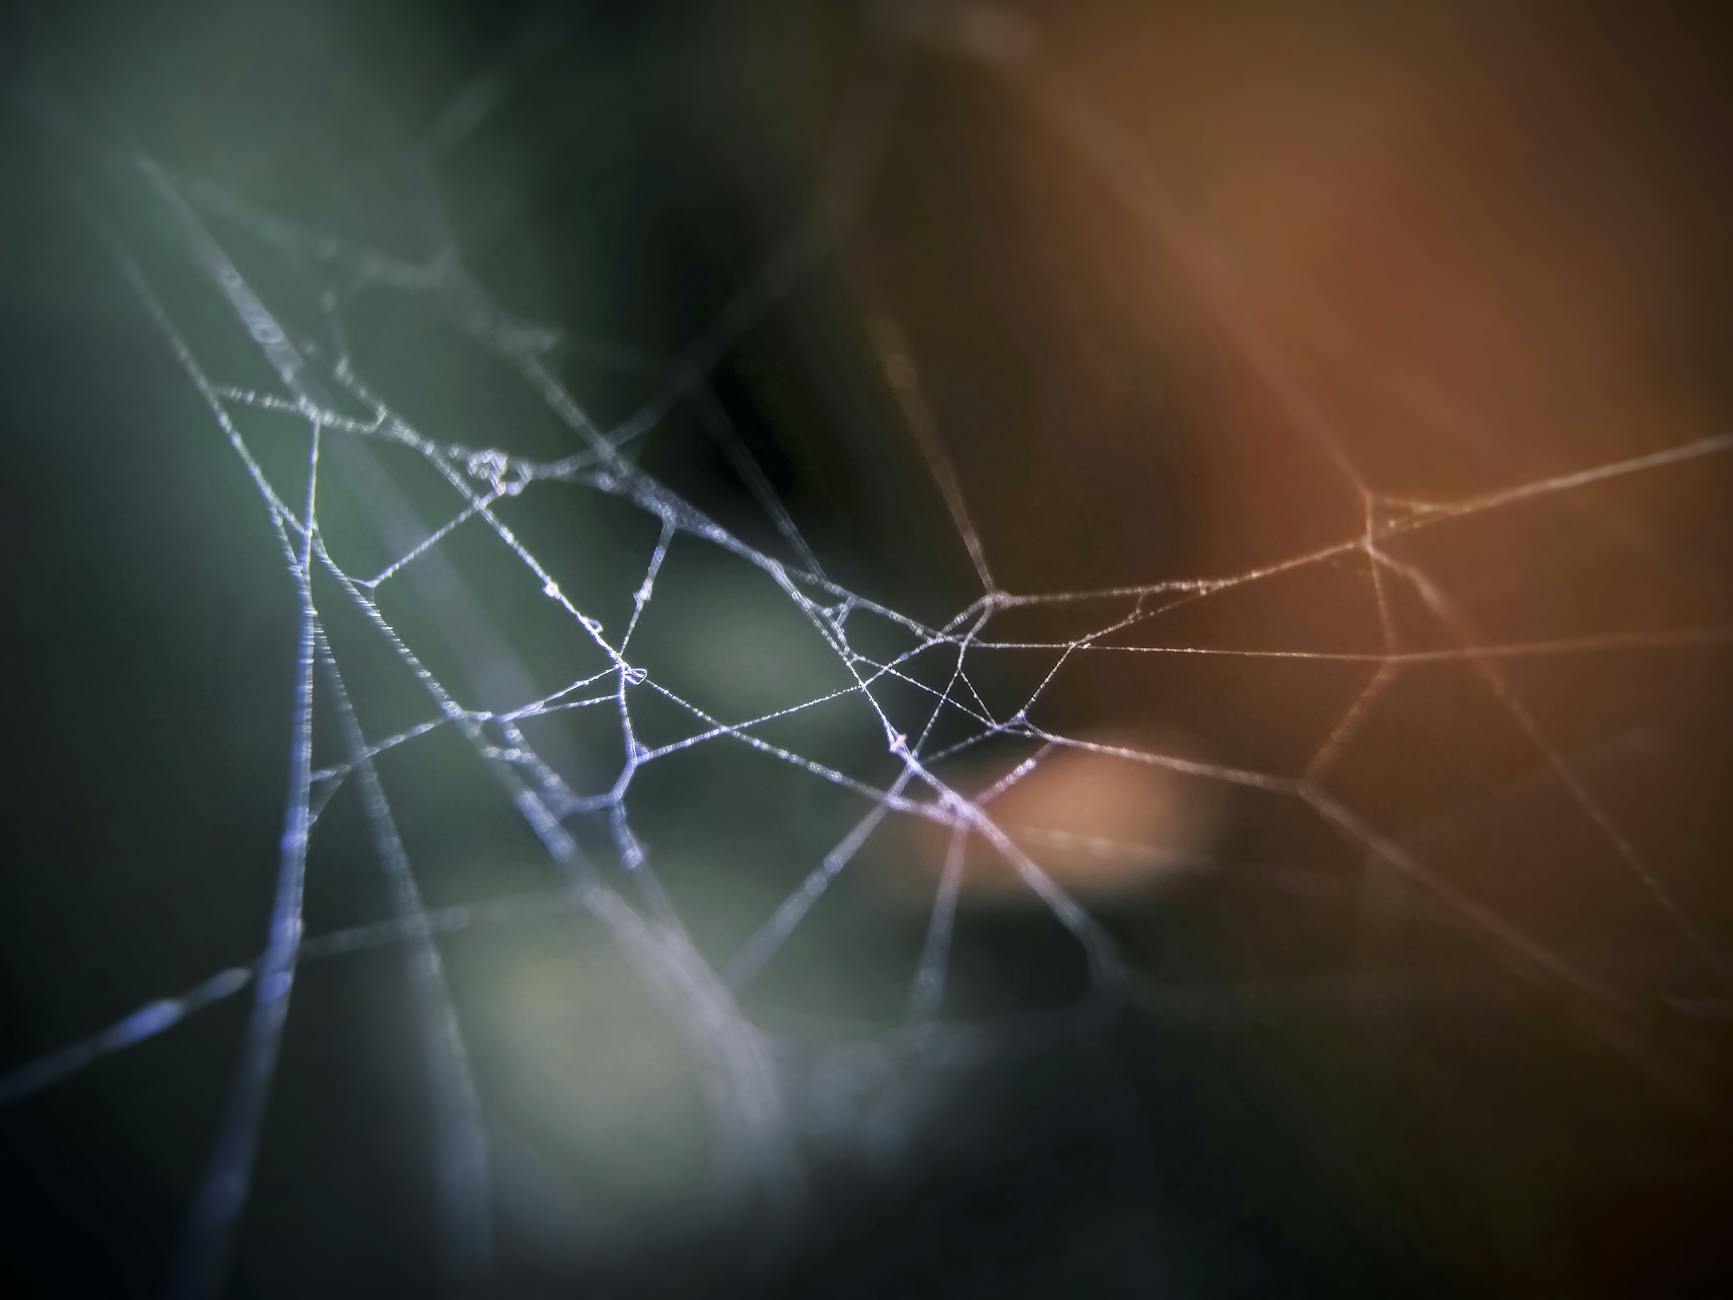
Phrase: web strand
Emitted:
{"points": [[901, 688]]}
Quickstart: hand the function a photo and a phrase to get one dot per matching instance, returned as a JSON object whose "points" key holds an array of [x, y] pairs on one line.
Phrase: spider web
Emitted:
{"points": [[404, 640]]}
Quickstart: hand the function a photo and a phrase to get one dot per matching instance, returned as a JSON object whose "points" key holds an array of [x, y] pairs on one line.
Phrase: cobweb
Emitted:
{"points": [[405, 640]]}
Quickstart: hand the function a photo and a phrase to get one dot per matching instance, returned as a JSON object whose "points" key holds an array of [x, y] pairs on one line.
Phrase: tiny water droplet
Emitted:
{"points": [[489, 466]]}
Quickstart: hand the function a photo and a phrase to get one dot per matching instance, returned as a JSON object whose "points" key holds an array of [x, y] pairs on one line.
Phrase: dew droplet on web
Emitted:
{"points": [[488, 466]]}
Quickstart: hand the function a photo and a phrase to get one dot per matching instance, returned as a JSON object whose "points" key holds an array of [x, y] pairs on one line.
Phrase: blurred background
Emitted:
{"points": [[1179, 292]]}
